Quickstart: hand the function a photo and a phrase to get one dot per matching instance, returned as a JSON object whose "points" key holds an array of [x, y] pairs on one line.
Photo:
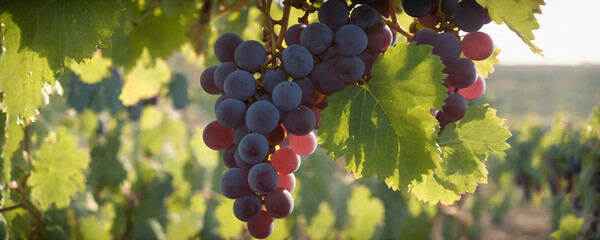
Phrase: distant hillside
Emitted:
{"points": [[521, 93]]}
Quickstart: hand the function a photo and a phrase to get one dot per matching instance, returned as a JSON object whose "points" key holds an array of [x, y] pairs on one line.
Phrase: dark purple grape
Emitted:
{"points": [[229, 156], [369, 59], [263, 178], [447, 46], [240, 162], [292, 34], [417, 8], [350, 40], [207, 81], [425, 36], [297, 61], [279, 203], [239, 133], [272, 78], [240, 85], [334, 13], [300, 121], [262, 117], [253, 148], [448, 6], [349, 69], [461, 72], [469, 16], [287, 96], [455, 107], [276, 136], [365, 16], [382, 6], [379, 38], [262, 226], [250, 55], [225, 46], [222, 72], [219, 101], [231, 112], [317, 37], [325, 79], [247, 207], [308, 89], [234, 183]]}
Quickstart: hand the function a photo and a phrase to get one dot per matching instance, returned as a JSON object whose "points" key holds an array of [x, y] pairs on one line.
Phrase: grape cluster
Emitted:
{"points": [[271, 102], [440, 22]]}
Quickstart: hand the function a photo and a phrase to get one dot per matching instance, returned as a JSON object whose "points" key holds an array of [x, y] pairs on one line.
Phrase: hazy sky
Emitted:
{"points": [[567, 35]]}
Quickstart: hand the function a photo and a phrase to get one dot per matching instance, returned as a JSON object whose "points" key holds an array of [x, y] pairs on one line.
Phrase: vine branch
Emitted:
{"points": [[393, 23]]}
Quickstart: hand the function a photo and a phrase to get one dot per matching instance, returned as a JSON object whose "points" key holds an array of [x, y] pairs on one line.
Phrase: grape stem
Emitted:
{"points": [[393, 23]]}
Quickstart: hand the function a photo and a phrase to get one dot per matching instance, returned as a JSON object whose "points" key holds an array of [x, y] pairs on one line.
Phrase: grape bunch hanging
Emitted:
{"points": [[441, 22], [271, 103]]}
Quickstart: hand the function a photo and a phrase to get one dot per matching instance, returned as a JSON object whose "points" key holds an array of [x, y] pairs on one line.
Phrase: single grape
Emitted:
{"points": [[469, 16], [425, 36], [308, 89], [334, 13], [240, 162], [477, 46], [455, 107], [287, 96], [349, 69], [417, 8], [285, 161], [234, 183], [317, 37], [273, 77], [293, 33], [350, 39], [287, 182], [253, 148], [240, 85], [325, 79], [225, 46], [207, 81], [430, 20], [229, 156], [247, 207], [303, 145], [368, 59], [263, 178], [447, 46], [219, 101], [474, 91], [240, 132], [448, 6], [365, 16], [379, 38], [382, 6], [250, 55], [276, 136], [222, 72], [461, 72], [297, 61], [217, 137], [300, 121], [279, 203], [262, 117], [230, 113], [262, 226]]}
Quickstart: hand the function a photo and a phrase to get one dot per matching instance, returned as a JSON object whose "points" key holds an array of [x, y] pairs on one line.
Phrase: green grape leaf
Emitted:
{"points": [[91, 227], [158, 129], [23, 74], [366, 212], [63, 28], [569, 228], [385, 127], [485, 67], [321, 225], [188, 221], [518, 16], [14, 134], [58, 171], [175, 8], [465, 148], [144, 80], [92, 70]]}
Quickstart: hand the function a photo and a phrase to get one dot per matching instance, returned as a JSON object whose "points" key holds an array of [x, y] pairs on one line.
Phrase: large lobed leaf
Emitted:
{"points": [[465, 149], [58, 171], [384, 128], [518, 16]]}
